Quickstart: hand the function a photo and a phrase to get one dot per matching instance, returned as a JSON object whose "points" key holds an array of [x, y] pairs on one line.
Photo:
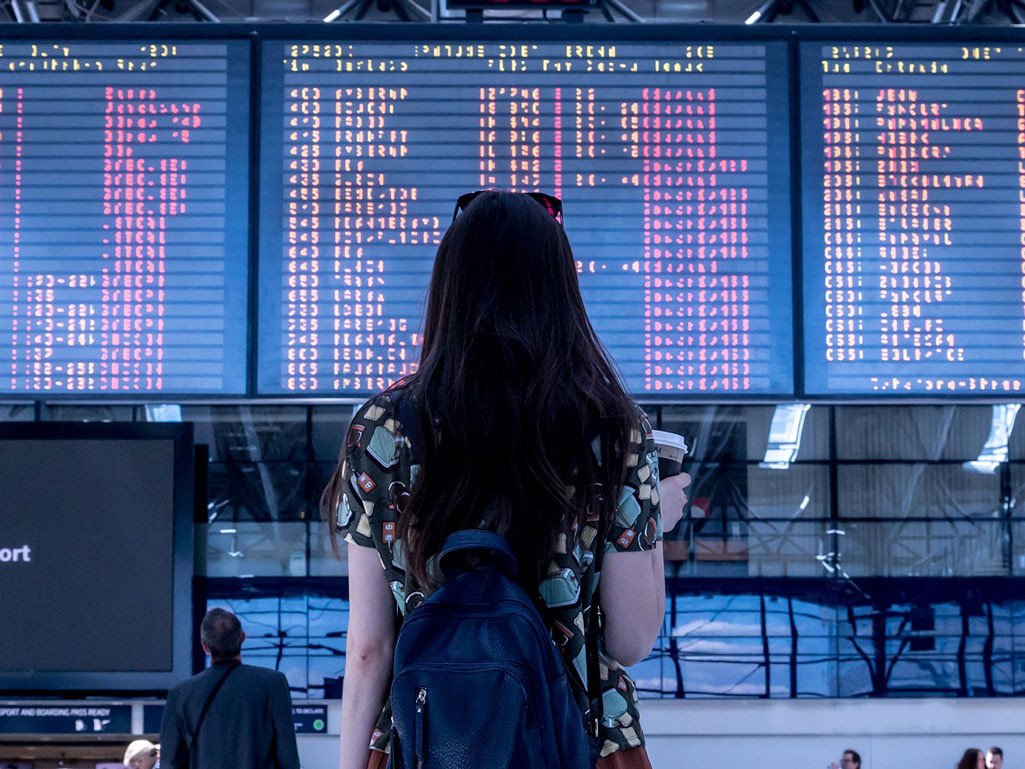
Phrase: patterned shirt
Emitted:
{"points": [[378, 473]]}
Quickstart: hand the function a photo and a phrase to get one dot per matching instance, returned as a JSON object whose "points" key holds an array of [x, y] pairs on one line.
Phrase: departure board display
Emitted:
{"points": [[913, 163], [671, 159], [123, 217]]}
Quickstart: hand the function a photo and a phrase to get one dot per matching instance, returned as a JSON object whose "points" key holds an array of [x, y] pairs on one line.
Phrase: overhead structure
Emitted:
{"points": [[973, 10], [916, 12], [404, 10], [768, 11], [946, 12]]}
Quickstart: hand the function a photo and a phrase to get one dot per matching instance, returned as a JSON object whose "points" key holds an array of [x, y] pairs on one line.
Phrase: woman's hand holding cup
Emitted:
{"points": [[672, 499], [672, 449]]}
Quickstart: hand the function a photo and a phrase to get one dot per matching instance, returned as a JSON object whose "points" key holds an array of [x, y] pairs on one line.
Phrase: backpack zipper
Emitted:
{"points": [[519, 672], [421, 705]]}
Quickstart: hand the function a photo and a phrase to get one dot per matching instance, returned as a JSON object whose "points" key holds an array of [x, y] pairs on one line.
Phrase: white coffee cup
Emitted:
{"points": [[672, 449]]}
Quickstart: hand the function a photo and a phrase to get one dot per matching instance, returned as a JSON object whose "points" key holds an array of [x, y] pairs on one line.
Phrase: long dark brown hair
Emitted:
{"points": [[970, 759], [512, 390]]}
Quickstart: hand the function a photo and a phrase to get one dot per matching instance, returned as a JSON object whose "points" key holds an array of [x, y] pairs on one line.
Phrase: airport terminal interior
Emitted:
{"points": [[799, 228]]}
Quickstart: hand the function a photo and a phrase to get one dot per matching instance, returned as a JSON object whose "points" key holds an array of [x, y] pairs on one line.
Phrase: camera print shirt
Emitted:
{"points": [[378, 472]]}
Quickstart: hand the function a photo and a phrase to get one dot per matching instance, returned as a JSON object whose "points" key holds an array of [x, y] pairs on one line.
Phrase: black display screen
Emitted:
{"points": [[95, 560]]}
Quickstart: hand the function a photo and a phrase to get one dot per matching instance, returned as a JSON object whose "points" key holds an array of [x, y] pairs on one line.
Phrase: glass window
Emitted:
{"points": [[787, 549], [799, 641], [911, 432], [259, 491], [251, 433], [748, 520], [722, 651], [250, 549], [329, 426], [25, 412], [1016, 443], [1016, 503], [905, 506], [943, 492], [324, 562], [713, 433], [1017, 530], [649, 676], [59, 412], [302, 636], [799, 491], [740, 433], [939, 548]]}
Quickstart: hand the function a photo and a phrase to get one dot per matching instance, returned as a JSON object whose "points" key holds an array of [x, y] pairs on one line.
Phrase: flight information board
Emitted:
{"points": [[671, 159], [123, 217], [913, 163]]}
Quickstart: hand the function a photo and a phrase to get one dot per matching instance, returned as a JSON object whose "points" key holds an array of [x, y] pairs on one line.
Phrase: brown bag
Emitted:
{"points": [[631, 758]]}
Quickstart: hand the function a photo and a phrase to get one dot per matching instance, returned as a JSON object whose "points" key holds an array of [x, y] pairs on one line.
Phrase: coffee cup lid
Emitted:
{"points": [[670, 439]]}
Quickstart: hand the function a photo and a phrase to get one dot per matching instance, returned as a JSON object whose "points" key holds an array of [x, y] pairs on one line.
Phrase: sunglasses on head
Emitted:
{"points": [[551, 203]]}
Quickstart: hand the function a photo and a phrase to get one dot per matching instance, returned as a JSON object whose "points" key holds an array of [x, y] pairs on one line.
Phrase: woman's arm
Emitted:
{"points": [[369, 645], [633, 586]]}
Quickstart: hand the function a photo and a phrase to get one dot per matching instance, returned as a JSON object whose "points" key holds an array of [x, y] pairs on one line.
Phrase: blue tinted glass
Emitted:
{"points": [[830, 642]]}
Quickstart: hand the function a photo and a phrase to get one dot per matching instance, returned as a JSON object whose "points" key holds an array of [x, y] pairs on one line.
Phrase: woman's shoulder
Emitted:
{"points": [[640, 426], [641, 456], [376, 425], [384, 407]]}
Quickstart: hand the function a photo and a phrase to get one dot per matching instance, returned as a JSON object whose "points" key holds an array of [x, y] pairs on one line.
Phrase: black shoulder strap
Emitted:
{"points": [[409, 418], [594, 690], [206, 708]]}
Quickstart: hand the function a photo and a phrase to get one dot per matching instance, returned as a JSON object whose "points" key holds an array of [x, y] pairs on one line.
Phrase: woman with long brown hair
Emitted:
{"points": [[973, 758], [525, 430]]}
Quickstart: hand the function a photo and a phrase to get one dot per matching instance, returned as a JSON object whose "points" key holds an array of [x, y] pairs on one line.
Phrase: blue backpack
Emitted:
{"points": [[477, 681]]}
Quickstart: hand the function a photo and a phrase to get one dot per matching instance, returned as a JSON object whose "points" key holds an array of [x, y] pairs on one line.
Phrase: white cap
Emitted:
{"points": [[138, 748]]}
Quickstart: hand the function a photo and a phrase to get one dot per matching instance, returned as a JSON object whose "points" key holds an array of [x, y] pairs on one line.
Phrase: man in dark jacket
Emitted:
{"points": [[230, 715]]}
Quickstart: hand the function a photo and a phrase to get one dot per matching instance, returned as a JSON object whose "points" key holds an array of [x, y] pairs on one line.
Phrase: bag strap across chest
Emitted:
{"points": [[232, 667]]}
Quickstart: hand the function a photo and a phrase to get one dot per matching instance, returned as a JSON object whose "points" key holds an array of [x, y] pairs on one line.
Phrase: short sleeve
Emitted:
{"points": [[638, 521], [370, 471]]}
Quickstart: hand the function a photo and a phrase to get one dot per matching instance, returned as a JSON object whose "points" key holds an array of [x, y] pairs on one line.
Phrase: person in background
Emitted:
{"points": [[142, 754], [230, 715], [850, 759], [994, 758], [973, 758]]}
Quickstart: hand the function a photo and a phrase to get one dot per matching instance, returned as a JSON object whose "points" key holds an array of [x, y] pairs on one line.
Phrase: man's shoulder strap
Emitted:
{"points": [[232, 667]]}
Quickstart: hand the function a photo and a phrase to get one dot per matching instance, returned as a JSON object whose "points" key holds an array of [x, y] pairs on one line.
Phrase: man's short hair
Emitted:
{"points": [[996, 751], [221, 633], [855, 756]]}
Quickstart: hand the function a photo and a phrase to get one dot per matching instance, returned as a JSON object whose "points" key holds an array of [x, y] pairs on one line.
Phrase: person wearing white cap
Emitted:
{"points": [[142, 754]]}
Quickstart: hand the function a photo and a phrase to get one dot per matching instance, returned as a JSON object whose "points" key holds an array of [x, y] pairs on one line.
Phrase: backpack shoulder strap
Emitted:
{"points": [[478, 539], [409, 418], [206, 708], [594, 690]]}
